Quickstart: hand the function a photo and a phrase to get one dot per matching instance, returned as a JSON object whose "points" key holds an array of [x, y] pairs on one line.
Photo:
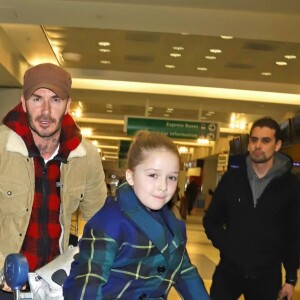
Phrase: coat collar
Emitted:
{"points": [[133, 208], [16, 144], [17, 121]]}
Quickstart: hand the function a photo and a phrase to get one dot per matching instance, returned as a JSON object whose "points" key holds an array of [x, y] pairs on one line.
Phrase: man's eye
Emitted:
{"points": [[36, 99], [253, 139], [56, 100], [266, 140]]}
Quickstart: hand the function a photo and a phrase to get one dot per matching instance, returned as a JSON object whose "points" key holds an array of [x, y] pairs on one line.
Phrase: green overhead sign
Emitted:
{"points": [[172, 128]]}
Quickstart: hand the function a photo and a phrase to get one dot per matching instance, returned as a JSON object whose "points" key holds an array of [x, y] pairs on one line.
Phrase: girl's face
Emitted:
{"points": [[155, 179]]}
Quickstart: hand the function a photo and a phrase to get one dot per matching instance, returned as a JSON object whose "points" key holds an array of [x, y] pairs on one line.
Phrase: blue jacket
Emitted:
{"points": [[125, 254]]}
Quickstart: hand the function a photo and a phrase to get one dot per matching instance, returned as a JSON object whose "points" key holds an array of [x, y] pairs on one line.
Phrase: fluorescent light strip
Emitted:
{"points": [[115, 138], [99, 120], [184, 90], [108, 147]]}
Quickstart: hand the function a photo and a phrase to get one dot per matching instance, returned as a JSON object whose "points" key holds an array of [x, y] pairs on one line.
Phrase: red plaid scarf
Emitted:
{"points": [[41, 243]]}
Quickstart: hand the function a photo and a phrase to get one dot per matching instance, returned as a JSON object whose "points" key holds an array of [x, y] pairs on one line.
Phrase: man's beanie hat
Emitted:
{"points": [[47, 76]]}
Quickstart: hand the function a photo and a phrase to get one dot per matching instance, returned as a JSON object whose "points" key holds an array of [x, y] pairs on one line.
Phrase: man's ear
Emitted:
{"points": [[23, 103], [278, 145], [129, 177], [69, 100]]}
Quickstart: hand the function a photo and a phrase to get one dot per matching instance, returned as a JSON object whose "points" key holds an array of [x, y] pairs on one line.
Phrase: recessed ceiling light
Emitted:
{"points": [[166, 115], [71, 56], [215, 50], [149, 108], [104, 50], [183, 149], [266, 73], [109, 110], [290, 56], [227, 37], [169, 110], [201, 68], [178, 48], [210, 57], [175, 54], [105, 62], [104, 44], [108, 105], [170, 66], [86, 131], [77, 113], [281, 63], [58, 43]]}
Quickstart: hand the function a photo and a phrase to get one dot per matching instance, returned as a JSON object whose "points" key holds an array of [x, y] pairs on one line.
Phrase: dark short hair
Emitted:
{"points": [[270, 123]]}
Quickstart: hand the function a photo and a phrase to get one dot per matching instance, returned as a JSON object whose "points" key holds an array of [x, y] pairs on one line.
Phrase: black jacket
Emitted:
{"points": [[255, 240]]}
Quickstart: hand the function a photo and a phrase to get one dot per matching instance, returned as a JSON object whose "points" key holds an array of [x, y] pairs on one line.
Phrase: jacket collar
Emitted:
{"points": [[70, 138], [16, 144], [133, 208]]}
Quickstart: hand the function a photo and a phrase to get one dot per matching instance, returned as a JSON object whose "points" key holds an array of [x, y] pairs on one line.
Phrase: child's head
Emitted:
{"points": [[144, 142], [153, 167]]}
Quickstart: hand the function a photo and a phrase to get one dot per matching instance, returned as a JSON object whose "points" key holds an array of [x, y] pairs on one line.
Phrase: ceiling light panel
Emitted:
{"points": [[226, 37], [170, 66], [290, 56], [217, 51], [105, 62], [281, 63], [178, 48], [175, 55], [104, 44], [104, 50], [210, 57]]}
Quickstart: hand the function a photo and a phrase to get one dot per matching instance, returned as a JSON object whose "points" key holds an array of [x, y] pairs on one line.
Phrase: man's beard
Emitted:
{"points": [[261, 160], [41, 134]]}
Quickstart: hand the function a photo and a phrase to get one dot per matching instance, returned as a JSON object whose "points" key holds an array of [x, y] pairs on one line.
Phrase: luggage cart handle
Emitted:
{"points": [[16, 274]]}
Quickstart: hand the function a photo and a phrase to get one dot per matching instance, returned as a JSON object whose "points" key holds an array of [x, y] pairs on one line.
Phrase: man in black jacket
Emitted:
{"points": [[254, 221]]}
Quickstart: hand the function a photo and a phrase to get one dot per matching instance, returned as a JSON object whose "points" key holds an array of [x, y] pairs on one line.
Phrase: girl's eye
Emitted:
{"points": [[152, 175], [173, 178]]}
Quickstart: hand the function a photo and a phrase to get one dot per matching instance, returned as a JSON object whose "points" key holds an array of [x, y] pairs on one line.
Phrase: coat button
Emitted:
{"points": [[161, 269], [143, 296]]}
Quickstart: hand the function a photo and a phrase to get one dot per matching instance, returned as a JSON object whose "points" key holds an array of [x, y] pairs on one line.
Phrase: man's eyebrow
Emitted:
{"points": [[260, 138], [36, 95]]}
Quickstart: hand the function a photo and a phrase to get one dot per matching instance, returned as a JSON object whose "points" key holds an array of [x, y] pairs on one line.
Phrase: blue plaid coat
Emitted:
{"points": [[125, 254]]}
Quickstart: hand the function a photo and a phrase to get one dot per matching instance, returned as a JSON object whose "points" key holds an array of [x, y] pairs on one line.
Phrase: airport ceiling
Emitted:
{"points": [[165, 59]]}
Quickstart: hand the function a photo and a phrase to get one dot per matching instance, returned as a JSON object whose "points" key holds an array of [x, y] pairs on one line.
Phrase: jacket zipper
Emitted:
{"points": [[44, 215]]}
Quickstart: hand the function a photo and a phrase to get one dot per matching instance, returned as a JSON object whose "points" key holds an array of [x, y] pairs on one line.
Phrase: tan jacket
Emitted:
{"points": [[82, 186]]}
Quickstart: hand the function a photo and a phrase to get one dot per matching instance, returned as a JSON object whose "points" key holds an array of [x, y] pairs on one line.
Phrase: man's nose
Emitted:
{"points": [[46, 106], [258, 144]]}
